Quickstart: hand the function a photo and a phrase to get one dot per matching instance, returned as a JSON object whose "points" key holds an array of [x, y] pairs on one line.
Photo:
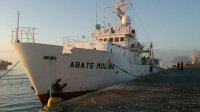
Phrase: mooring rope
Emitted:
{"points": [[158, 68], [9, 69], [125, 71], [109, 61]]}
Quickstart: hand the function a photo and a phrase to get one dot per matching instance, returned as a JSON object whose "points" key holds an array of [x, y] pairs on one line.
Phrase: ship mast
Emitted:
{"points": [[123, 7], [120, 9], [151, 50], [17, 30]]}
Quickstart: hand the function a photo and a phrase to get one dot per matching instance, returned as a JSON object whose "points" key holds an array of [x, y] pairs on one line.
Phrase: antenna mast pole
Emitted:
{"points": [[17, 30], [123, 8], [96, 12]]}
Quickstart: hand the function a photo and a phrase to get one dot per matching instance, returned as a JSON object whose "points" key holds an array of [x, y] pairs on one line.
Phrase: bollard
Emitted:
{"points": [[141, 77], [52, 105], [53, 101]]}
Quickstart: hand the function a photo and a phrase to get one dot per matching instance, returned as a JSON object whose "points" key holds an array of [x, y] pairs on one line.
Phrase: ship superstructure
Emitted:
{"points": [[80, 67]]}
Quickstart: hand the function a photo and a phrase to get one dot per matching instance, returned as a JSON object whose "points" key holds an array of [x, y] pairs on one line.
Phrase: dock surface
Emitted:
{"points": [[167, 91]]}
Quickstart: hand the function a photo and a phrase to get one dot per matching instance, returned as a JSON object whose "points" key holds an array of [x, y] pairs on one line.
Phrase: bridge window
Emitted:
{"points": [[110, 39], [121, 38], [116, 39], [100, 40], [105, 40]]}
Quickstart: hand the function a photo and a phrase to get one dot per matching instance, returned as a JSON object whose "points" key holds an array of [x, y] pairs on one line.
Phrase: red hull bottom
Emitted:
{"points": [[65, 96], [192, 65]]}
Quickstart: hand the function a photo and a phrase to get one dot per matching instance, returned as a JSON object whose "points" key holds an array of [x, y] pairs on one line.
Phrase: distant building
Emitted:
{"points": [[195, 58]]}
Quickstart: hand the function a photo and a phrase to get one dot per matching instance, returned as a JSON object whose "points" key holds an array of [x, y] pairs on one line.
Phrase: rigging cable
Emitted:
{"points": [[9, 69]]}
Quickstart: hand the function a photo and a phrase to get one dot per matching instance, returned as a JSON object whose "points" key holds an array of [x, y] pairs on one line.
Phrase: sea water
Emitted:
{"points": [[16, 94]]}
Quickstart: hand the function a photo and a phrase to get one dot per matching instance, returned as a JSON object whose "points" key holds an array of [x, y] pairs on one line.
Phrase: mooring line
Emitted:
{"points": [[125, 71], [109, 61], [9, 70]]}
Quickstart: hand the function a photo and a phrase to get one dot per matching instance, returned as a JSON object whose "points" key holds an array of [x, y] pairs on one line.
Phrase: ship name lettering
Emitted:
{"points": [[91, 65], [82, 65], [104, 66]]}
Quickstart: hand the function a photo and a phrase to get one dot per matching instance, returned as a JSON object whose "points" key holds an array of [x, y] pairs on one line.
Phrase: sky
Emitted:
{"points": [[172, 25]]}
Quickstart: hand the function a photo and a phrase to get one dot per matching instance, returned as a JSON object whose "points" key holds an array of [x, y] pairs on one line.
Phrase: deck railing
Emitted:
{"points": [[24, 35], [71, 40]]}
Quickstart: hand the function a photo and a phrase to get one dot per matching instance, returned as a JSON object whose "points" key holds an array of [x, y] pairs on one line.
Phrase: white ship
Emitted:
{"points": [[114, 56]]}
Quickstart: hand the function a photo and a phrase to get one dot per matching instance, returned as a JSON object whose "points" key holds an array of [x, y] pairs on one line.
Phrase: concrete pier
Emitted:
{"points": [[167, 91]]}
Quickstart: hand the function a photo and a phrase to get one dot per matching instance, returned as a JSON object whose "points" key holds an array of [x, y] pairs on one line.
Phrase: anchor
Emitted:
{"points": [[57, 87]]}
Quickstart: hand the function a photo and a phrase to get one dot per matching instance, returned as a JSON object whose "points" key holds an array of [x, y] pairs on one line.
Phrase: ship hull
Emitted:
{"points": [[83, 71], [192, 65], [64, 95], [4, 66]]}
